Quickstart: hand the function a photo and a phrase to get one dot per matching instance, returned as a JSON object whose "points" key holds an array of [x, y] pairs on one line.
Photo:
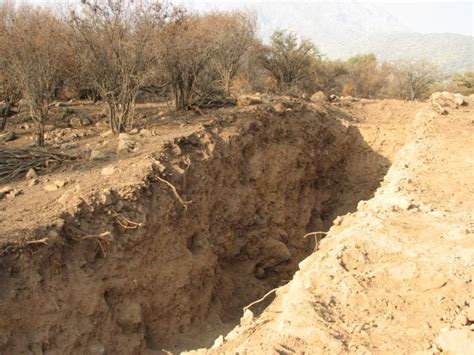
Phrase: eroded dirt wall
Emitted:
{"points": [[136, 269]]}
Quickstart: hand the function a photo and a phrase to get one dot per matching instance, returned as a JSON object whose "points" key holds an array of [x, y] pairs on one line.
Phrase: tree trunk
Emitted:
{"points": [[114, 125], [6, 112], [181, 101], [40, 137], [3, 123]]}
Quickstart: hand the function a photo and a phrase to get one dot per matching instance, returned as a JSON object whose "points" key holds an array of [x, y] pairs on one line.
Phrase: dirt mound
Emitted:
{"points": [[164, 248]]}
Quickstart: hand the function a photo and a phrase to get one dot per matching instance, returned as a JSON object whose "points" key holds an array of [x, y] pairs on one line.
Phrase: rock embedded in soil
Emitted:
{"points": [[31, 174], [319, 97], [125, 143], [50, 187], [130, 317], [108, 170], [97, 155]]}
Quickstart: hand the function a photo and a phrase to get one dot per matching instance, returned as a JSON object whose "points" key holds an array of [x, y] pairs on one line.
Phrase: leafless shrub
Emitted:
{"points": [[113, 40], [414, 79], [234, 35], [10, 92], [186, 47], [34, 46]]}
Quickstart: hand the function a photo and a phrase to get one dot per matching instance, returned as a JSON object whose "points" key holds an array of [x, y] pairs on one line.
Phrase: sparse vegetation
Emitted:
{"points": [[112, 40], [34, 51], [288, 60], [109, 50]]}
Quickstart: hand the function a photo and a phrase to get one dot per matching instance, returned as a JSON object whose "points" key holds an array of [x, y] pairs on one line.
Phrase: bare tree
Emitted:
{"points": [[9, 91], [415, 78], [113, 41], [288, 60], [34, 48], [186, 47], [234, 35]]}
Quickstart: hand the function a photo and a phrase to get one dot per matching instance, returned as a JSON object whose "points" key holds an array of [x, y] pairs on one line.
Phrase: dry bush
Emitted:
{"points": [[113, 41], [10, 92], [329, 77], [462, 83], [186, 47], [34, 46], [365, 76], [234, 36], [414, 79]]}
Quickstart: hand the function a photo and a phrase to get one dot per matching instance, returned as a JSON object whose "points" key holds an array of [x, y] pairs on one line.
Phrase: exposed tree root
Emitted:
{"points": [[318, 238], [260, 299], [100, 238], [175, 192], [125, 222]]}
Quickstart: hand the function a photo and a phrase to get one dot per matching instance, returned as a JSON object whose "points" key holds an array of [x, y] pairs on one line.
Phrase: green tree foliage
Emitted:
{"points": [[288, 60]]}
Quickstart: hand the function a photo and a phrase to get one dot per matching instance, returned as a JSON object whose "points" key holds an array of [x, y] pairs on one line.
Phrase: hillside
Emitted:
{"points": [[343, 29], [453, 52]]}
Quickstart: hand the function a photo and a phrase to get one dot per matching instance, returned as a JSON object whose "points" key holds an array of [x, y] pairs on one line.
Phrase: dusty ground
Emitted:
{"points": [[113, 261]]}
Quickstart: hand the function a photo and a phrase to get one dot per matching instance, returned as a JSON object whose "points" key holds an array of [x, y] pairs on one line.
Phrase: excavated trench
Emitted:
{"points": [[250, 190]]}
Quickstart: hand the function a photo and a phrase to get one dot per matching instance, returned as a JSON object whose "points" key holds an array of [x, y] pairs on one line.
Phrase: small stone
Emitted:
{"points": [[107, 134], [14, 193], [96, 348], [125, 143], [33, 182], [259, 272], [97, 155], [60, 183], [218, 342], [85, 121], [177, 150], [31, 174], [75, 122], [106, 197], [6, 189], [456, 341], [50, 187], [338, 220], [134, 131], [130, 316], [247, 318], [108, 170], [146, 133], [319, 97]]}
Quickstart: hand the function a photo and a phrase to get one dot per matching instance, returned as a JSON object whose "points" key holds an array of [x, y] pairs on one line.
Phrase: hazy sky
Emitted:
{"points": [[420, 16], [426, 17]]}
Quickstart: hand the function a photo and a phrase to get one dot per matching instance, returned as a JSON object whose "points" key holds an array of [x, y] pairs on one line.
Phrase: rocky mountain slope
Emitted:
{"points": [[342, 29]]}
